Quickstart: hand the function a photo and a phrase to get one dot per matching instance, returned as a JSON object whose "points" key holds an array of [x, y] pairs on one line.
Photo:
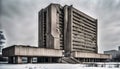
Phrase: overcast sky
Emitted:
{"points": [[19, 20]]}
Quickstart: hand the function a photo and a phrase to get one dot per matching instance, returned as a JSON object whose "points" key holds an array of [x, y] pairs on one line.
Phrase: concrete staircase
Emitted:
{"points": [[70, 60]]}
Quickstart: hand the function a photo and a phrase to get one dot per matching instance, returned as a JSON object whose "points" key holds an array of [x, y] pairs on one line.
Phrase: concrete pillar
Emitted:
{"points": [[10, 59], [86, 59], [89, 60], [50, 60], [29, 59], [18, 59], [92, 59]]}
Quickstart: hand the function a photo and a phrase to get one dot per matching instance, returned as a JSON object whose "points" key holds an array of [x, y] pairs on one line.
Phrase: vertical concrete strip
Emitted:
{"points": [[18, 59]]}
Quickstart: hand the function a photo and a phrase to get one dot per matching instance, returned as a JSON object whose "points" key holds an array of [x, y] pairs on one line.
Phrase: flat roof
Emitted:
{"points": [[78, 54], [31, 51]]}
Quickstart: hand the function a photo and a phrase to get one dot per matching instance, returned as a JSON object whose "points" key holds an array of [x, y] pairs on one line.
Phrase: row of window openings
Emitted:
{"points": [[61, 17], [84, 48], [84, 32], [81, 22], [82, 17], [86, 51], [84, 42], [82, 35], [87, 44], [83, 29], [89, 35], [78, 26], [79, 36], [84, 38], [61, 20]]}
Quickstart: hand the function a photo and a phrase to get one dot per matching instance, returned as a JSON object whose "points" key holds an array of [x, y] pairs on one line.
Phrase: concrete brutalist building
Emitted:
{"points": [[65, 35]]}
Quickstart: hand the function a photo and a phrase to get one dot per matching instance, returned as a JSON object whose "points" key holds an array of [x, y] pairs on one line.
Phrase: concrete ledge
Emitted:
{"points": [[77, 54], [31, 51]]}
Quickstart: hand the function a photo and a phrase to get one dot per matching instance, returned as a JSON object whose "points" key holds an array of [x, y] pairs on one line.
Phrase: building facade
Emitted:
{"points": [[66, 28]]}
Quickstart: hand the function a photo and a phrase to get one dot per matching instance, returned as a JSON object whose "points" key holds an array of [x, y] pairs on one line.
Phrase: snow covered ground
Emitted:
{"points": [[58, 66]]}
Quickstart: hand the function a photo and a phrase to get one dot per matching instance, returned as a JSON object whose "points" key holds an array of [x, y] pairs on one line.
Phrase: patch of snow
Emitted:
{"points": [[60, 66]]}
